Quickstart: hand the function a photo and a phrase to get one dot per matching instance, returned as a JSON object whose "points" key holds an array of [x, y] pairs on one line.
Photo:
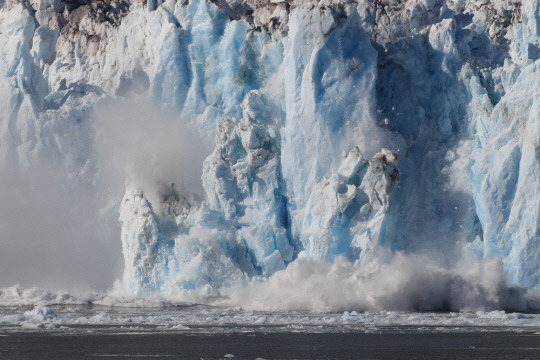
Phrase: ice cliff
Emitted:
{"points": [[339, 127]]}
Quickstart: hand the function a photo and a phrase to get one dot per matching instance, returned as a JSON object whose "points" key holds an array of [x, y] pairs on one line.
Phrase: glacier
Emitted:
{"points": [[340, 132]]}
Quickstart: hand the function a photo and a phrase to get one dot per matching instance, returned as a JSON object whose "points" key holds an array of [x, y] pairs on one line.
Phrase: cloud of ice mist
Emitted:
{"points": [[59, 226], [390, 282], [53, 234], [137, 142]]}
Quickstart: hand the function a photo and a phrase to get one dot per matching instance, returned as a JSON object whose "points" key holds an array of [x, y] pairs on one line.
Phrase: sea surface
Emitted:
{"points": [[87, 331], [402, 344]]}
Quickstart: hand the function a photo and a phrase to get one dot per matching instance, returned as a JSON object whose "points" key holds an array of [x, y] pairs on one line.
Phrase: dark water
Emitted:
{"points": [[385, 346]]}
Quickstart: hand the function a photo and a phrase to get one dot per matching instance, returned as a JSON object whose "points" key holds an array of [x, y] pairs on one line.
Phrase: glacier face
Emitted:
{"points": [[339, 128]]}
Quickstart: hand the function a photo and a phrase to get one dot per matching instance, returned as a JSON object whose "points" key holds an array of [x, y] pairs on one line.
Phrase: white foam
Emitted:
{"points": [[387, 282]]}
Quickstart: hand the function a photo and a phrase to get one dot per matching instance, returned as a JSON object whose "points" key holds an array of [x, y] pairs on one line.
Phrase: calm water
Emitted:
{"points": [[399, 345]]}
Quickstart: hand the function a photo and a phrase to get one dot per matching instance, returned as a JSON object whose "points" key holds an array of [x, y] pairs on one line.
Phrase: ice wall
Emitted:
{"points": [[340, 127]]}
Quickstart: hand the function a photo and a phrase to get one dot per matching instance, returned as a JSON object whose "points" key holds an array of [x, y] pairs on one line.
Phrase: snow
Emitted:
{"points": [[339, 130]]}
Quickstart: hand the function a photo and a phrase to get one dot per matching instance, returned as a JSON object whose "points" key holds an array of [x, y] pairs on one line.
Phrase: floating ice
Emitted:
{"points": [[81, 318]]}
